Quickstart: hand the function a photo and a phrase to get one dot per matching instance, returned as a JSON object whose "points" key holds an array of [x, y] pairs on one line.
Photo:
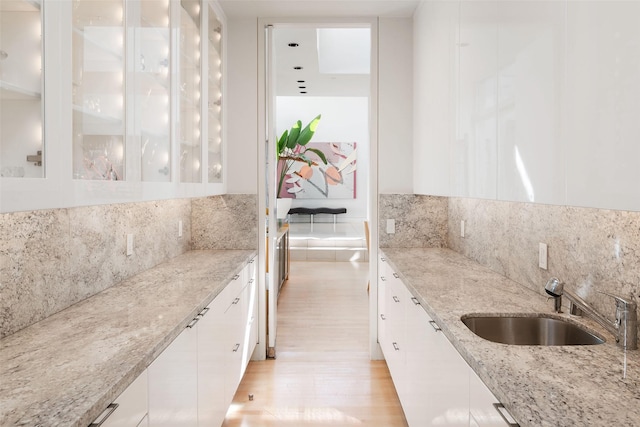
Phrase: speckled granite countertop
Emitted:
{"points": [[64, 370], [541, 386]]}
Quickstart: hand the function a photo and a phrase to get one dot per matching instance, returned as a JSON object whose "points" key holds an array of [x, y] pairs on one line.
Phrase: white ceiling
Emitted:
{"points": [[306, 54], [318, 8]]}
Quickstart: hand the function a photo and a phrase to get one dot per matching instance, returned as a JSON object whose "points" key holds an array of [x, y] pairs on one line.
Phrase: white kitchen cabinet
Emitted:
{"points": [[21, 100], [194, 380], [173, 383], [434, 383], [129, 409], [485, 410]]}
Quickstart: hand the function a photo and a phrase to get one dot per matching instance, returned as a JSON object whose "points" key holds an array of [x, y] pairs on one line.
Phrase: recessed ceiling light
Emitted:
{"points": [[303, 91], [302, 87], [297, 68], [293, 45], [300, 81]]}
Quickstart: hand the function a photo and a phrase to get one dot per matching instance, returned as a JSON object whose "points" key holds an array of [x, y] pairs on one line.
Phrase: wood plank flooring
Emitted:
{"points": [[322, 375]]}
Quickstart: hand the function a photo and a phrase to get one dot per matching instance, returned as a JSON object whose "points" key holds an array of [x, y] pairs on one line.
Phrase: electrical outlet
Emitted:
{"points": [[542, 256], [391, 226], [129, 244], [180, 228], [462, 228]]}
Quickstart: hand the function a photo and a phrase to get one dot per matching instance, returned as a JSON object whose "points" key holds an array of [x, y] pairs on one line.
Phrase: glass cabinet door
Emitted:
{"points": [[98, 89], [190, 92], [152, 110], [215, 99], [21, 106]]}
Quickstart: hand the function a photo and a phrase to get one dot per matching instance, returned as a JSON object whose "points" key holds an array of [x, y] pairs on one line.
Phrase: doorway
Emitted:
{"points": [[326, 69]]}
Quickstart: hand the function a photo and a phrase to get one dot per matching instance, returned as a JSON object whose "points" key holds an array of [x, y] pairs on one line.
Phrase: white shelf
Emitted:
{"points": [[95, 117], [20, 5], [98, 44], [11, 91]]}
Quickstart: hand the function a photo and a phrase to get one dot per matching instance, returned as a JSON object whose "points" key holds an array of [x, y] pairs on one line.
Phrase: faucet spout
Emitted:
{"points": [[625, 327]]}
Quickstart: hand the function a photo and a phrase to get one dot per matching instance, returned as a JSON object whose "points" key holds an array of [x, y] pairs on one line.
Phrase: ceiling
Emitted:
{"points": [[305, 55], [318, 8]]}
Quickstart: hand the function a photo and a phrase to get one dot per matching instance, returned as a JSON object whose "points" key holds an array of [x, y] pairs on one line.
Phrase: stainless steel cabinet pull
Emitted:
{"points": [[193, 322], [382, 317], [235, 301], [236, 347], [506, 416], [384, 279], [383, 259], [395, 346], [251, 260], [415, 300], [105, 414], [395, 298], [236, 277], [396, 275], [204, 311], [434, 325]]}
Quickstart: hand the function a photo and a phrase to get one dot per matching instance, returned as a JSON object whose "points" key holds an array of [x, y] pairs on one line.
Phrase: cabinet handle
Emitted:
{"points": [[415, 300], [250, 281], [105, 414], [383, 259], [204, 311], [382, 317], [235, 301], [193, 322], [396, 275], [395, 298], [384, 279], [251, 260], [236, 347], [506, 416], [435, 326], [395, 346], [236, 277]]}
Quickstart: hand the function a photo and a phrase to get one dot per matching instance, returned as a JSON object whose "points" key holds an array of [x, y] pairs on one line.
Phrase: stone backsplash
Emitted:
{"points": [[589, 249], [51, 259], [420, 221]]}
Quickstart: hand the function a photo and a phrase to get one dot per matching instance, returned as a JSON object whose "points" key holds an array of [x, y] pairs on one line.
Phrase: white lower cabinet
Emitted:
{"points": [[129, 409], [435, 384], [195, 378]]}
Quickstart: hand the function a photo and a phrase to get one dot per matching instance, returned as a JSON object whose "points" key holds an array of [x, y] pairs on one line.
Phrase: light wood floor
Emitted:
{"points": [[322, 375]]}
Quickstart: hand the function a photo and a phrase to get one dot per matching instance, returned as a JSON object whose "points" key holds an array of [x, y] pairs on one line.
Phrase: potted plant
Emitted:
{"points": [[292, 150]]}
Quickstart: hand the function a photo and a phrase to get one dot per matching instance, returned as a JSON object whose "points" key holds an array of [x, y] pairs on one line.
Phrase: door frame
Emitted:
{"points": [[372, 190]]}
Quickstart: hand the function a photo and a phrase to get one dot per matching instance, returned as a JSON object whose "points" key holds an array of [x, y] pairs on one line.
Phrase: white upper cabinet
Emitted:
{"points": [[544, 99], [21, 83], [602, 111], [131, 101]]}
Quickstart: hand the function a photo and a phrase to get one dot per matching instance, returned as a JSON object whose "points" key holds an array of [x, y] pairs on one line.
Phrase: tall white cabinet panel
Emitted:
{"points": [[603, 88], [21, 99], [473, 155], [173, 383], [212, 405]]}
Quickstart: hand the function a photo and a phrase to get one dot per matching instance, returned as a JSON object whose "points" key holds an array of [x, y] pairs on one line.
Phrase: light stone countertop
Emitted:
{"points": [[540, 386], [66, 369]]}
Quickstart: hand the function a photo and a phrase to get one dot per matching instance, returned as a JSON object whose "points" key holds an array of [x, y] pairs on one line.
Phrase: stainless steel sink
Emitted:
{"points": [[536, 329]]}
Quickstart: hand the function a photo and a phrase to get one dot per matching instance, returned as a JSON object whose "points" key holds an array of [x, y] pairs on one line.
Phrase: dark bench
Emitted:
{"points": [[314, 211]]}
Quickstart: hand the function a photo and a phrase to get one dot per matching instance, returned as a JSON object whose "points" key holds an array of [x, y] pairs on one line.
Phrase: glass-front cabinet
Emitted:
{"points": [[214, 123], [135, 97], [190, 91], [152, 108], [21, 89], [98, 91]]}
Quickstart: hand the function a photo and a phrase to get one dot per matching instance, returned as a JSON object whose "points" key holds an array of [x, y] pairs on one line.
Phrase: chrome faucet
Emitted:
{"points": [[625, 327]]}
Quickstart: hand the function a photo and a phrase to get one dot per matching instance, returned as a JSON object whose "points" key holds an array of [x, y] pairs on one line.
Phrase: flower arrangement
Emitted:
{"points": [[292, 148]]}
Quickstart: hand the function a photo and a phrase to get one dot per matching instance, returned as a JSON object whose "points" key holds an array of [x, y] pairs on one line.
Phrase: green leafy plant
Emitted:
{"points": [[292, 148]]}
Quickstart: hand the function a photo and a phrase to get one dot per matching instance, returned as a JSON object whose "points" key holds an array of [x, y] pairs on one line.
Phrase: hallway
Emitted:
{"points": [[322, 375]]}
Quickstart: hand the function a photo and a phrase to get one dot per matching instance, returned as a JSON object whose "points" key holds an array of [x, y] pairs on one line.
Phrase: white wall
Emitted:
{"points": [[395, 95], [242, 106], [344, 119]]}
